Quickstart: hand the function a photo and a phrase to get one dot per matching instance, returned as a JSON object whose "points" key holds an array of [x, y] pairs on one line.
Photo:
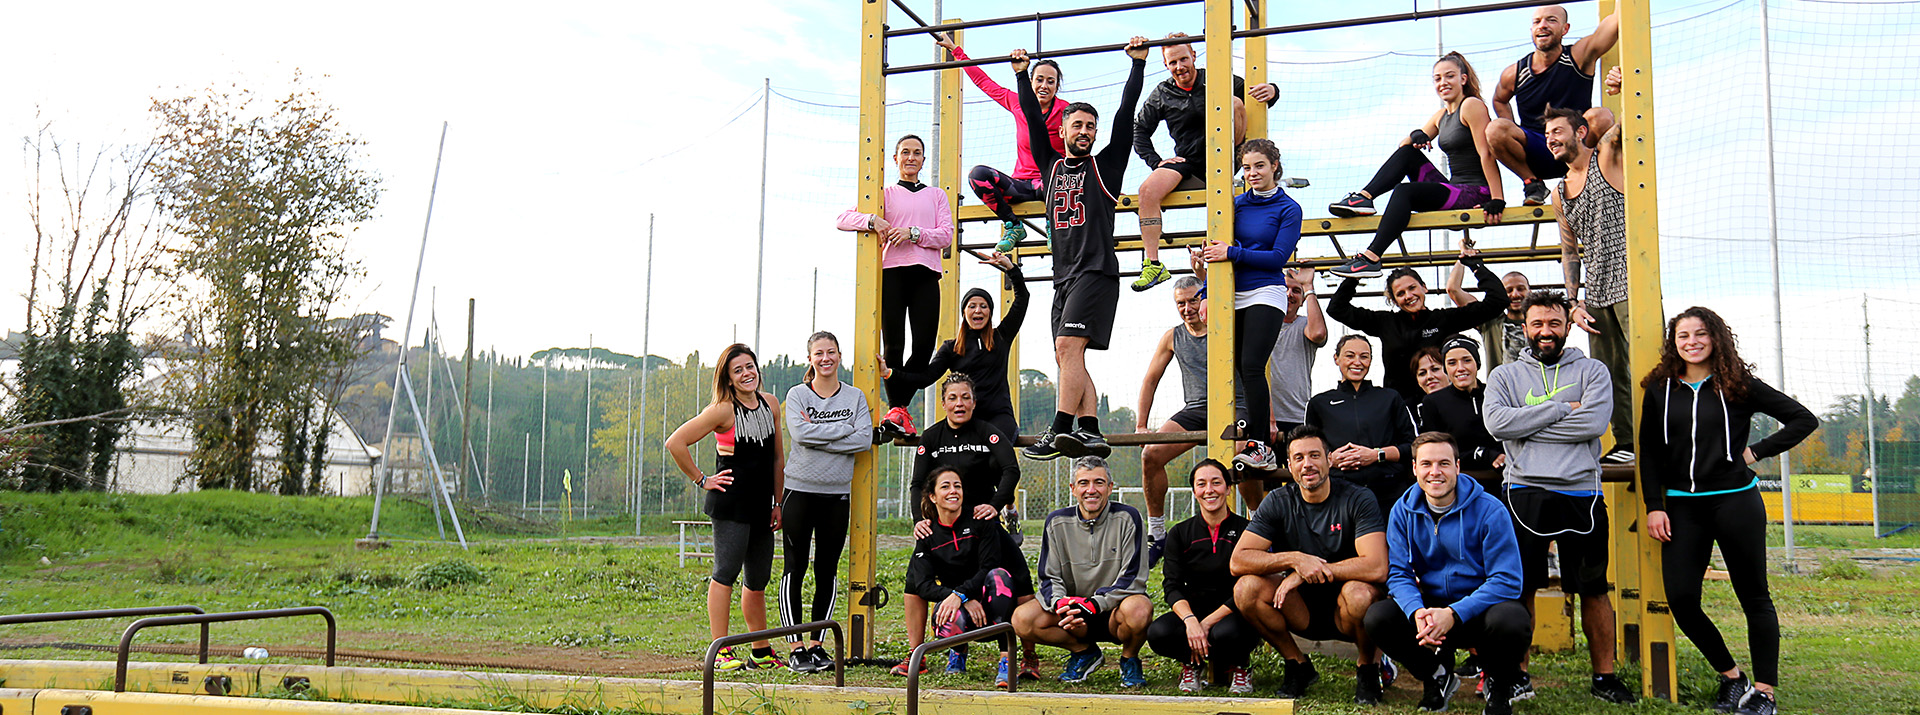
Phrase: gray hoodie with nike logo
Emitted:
{"points": [[1530, 410]]}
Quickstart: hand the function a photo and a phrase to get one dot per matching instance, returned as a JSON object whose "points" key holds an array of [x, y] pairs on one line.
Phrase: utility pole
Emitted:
{"points": [[586, 469], [543, 432], [466, 407], [486, 466], [646, 332], [526, 467], [1873, 455], [814, 323], [760, 261], [1773, 246]]}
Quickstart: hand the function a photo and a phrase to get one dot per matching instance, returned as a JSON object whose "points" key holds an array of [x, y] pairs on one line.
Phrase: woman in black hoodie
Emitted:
{"points": [[1456, 410], [1700, 401], [981, 349]]}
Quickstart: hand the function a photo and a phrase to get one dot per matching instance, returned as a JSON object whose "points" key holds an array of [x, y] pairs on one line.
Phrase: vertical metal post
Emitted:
{"points": [[586, 429], [1219, 177], [466, 407], [544, 369], [1873, 454], [1773, 249], [760, 255], [1657, 651], [646, 334], [950, 87], [486, 466], [866, 339], [526, 467], [406, 334]]}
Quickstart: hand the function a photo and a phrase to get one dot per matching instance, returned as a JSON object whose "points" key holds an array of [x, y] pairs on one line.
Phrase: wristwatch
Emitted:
{"points": [[913, 234], [1381, 453]]}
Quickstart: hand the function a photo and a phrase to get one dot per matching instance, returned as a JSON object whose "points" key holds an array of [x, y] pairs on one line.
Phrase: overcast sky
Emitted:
{"points": [[572, 122]]}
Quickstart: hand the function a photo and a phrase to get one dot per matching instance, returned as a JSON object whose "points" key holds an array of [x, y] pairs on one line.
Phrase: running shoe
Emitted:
{"points": [[1296, 678], [1355, 204], [756, 660], [1082, 664], [1003, 677], [822, 660], [1388, 672], [1732, 692], [1618, 455], [1044, 447], [801, 661], [1132, 675], [1257, 455], [1366, 685], [1467, 668], [1190, 678], [727, 662], [1758, 702], [1499, 695], [898, 423], [956, 662], [1069, 444], [1030, 667], [1535, 191], [1152, 273], [1240, 681], [1155, 549], [1011, 234], [1359, 266], [1439, 689], [900, 669], [1090, 443], [1609, 688], [1522, 687]]}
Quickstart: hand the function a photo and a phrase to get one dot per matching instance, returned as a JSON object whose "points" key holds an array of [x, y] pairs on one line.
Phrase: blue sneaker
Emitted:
{"points": [[956, 662], [1131, 675], [1011, 234], [1004, 676], [1082, 664]]}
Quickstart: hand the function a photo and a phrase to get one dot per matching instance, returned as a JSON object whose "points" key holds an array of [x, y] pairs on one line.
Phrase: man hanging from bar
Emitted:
{"points": [[1180, 101], [1082, 190]]}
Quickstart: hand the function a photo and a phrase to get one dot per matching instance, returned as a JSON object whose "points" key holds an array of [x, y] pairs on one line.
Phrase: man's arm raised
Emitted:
{"points": [[1605, 35]]}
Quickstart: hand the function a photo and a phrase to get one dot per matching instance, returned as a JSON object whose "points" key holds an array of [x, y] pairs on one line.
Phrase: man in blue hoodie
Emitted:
{"points": [[1453, 577], [1549, 408]]}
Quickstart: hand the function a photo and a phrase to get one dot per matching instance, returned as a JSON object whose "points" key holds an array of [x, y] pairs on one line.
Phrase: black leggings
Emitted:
{"points": [[1501, 634], [1230, 642], [908, 293], [998, 598], [1427, 190], [1257, 328], [741, 544], [1738, 522], [1003, 421], [1000, 191], [808, 517]]}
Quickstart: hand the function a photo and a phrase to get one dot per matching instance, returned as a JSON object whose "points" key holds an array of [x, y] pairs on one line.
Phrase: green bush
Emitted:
{"points": [[444, 573], [1841, 568]]}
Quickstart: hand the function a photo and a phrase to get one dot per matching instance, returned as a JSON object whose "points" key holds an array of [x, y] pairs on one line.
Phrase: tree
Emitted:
{"points": [[82, 298], [263, 193]]}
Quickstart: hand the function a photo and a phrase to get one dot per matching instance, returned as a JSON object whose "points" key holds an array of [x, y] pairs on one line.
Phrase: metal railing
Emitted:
{"points": [[713, 651], [1004, 631], [126, 639], [104, 613]]}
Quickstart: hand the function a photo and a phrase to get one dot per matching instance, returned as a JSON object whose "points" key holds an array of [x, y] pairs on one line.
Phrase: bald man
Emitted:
{"points": [[1554, 74]]}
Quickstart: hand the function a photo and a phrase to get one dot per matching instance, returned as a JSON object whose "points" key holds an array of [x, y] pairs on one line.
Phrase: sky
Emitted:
{"points": [[572, 125]]}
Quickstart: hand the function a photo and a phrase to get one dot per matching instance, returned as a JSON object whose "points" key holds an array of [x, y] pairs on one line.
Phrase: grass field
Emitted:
{"points": [[1852, 632]]}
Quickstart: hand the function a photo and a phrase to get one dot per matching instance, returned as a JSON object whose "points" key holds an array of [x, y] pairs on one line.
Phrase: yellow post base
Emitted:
{"points": [[1552, 622]]}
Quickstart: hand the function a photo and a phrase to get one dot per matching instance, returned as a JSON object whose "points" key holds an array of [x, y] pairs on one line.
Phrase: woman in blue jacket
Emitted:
{"points": [[1266, 227]]}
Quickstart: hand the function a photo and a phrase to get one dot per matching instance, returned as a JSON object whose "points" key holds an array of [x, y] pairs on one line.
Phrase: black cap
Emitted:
{"points": [[982, 292], [1461, 342]]}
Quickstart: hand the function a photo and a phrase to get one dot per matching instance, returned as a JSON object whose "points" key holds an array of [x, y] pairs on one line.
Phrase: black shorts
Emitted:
{"points": [[1579, 524], [1323, 605], [1190, 171], [1083, 307], [1099, 628], [1194, 419]]}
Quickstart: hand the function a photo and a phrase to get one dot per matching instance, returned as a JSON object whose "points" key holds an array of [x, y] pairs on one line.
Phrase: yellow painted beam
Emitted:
{"points": [[1329, 226], [1658, 654], [1624, 569], [1219, 205], [872, 170], [53, 702], [15, 700], [1127, 203], [1256, 68], [953, 176]]}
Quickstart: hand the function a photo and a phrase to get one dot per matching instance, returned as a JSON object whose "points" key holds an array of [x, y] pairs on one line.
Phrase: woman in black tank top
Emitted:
{"points": [[748, 473], [1461, 128]]}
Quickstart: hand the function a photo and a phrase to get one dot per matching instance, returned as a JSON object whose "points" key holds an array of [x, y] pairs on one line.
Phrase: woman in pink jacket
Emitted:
{"points": [[996, 189], [916, 223]]}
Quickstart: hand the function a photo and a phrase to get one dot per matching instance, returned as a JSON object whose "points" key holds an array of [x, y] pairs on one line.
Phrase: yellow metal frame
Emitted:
{"points": [[1219, 203], [866, 334]]}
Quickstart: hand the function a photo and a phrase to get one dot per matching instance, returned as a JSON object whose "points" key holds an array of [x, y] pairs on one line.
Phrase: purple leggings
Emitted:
{"points": [[1427, 190]]}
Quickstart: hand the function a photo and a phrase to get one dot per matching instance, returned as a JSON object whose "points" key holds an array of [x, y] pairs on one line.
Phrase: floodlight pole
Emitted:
{"points": [[760, 258], [1873, 455], [646, 332], [1773, 246], [400, 364]]}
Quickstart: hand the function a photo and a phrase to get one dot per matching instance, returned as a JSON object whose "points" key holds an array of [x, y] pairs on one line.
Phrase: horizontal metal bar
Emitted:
{"points": [[202, 619], [1397, 17], [1002, 631], [1416, 260], [58, 616], [1035, 17], [1195, 39], [713, 651]]}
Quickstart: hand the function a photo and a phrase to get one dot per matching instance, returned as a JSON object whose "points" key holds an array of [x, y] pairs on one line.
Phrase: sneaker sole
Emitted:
{"points": [[1356, 274], [1138, 288], [1349, 212], [1069, 446], [1534, 202], [1256, 466], [1048, 457], [1101, 450]]}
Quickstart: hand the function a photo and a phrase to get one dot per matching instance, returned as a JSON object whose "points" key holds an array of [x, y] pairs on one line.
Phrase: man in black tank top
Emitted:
{"points": [[1082, 188], [1555, 74]]}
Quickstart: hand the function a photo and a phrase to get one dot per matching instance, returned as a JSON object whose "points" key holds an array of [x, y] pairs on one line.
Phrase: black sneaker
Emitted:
{"points": [[1359, 266], [1618, 455], [1535, 191], [1499, 695], [1297, 678], [822, 660], [1732, 691], [1609, 688], [1094, 443], [1522, 687], [1469, 667], [1043, 447], [1353, 205], [1366, 685], [1758, 702], [1439, 689], [1068, 444], [1155, 549], [801, 661]]}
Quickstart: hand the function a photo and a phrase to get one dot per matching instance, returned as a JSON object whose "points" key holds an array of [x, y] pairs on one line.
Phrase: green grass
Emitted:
{"points": [[1847, 630]]}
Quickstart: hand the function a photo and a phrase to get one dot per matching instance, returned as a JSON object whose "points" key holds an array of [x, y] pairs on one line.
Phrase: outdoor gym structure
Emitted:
{"points": [[1645, 629]]}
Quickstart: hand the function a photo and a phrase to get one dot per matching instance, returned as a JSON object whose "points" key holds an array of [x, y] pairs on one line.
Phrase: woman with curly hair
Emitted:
{"points": [[1700, 401]]}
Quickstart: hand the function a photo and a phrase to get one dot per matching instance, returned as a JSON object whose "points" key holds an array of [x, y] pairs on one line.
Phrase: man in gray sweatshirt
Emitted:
{"points": [[1549, 408], [1092, 580]]}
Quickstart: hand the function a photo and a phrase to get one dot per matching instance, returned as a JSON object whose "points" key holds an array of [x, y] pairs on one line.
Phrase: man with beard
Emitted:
{"points": [[1549, 408], [1593, 225], [1081, 191], [1554, 74], [1312, 561]]}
